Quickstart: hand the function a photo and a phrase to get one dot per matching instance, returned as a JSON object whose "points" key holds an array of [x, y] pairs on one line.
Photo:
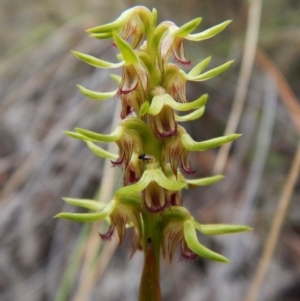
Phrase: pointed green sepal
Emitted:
{"points": [[165, 99], [148, 176], [106, 28], [87, 204], [211, 73], [208, 33], [164, 182], [93, 61], [211, 229], [187, 28], [116, 78], [127, 51], [113, 26], [192, 116], [154, 17], [96, 95], [192, 145], [191, 239], [101, 36], [199, 67], [74, 135], [94, 137], [135, 188], [205, 181], [99, 151], [89, 217]]}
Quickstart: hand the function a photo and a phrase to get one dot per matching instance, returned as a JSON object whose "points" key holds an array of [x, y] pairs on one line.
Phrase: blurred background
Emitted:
{"points": [[43, 259]]}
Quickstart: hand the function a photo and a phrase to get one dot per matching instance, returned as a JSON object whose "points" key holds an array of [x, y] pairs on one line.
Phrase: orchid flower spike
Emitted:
{"points": [[153, 148]]}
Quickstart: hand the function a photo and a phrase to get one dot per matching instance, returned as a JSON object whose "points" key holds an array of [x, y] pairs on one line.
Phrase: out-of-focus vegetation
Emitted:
{"points": [[45, 259]]}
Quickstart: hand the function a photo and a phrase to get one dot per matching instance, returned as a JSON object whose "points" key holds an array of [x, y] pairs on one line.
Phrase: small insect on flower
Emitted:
{"points": [[145, 157]]}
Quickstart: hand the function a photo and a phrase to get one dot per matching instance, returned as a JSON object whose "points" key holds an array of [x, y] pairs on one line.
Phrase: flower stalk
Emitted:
{"points": [[153, 146]]}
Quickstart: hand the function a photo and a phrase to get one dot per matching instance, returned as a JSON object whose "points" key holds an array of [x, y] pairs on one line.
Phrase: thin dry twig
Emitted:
{"points": [[275, 228], [243, 81]]}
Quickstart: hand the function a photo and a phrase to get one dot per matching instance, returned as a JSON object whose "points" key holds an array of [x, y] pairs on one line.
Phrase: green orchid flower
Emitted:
{"points": [[180, 228], [162, 109], [121, 211]]}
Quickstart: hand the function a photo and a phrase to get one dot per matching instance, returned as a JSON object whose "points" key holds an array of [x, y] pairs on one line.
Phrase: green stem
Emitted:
{"points": [[150, 287]]}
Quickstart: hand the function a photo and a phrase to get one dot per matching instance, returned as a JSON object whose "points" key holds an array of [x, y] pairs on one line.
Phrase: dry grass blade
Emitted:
{"points": [[290, 101], [287, 95], [262, 150], [243, 81], [238, 247], [90, 278], [92, 270], [275, 228]]}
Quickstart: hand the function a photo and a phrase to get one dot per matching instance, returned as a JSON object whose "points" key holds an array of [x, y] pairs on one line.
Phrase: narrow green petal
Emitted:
{"points": [[135, 188], [192, 145], [99, 151], [157, 104], [151, 175], [107, 28], [116, 78], [91, 60], [96, 95], [199, 67], [154, 17], [192, 116], [191, 239], [160, 100], [221, 228], [87, 204], [208, 33], [164, 182], [81, 217], [127, 51], [211, 73], [200, 102], [74, 135], [89, 217], [205, 181], [188, 27], [104, 35], [92, 136], [113, 26]]}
